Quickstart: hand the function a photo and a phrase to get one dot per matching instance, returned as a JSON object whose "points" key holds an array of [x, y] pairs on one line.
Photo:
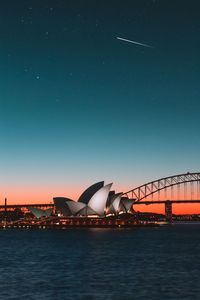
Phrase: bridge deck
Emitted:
{"points": [[50, 205], [164, 201], [13, 206]]}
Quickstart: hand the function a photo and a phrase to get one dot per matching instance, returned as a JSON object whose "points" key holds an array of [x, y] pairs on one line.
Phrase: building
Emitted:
{"points": [[39, 213], [97, 200]]}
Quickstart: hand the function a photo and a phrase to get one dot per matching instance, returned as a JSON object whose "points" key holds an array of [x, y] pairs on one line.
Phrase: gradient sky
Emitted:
{"points": [[78, 106]]}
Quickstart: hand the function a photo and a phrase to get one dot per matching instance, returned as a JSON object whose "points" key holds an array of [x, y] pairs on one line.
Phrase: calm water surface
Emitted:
{"points": [[147, 263]]}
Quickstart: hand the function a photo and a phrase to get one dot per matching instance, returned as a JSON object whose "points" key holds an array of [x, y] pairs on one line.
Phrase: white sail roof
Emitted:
{"points": [[126, 204], [75, 207], [90, 191], [38, 212], [99, 199], [116, 202]]}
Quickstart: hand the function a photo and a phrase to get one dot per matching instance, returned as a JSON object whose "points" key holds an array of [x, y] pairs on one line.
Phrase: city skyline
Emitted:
{"points": [[79, 106]]}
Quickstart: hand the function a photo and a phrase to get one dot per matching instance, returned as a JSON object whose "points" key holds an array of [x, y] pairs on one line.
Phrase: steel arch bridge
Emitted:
{"points": [[145, 191]]}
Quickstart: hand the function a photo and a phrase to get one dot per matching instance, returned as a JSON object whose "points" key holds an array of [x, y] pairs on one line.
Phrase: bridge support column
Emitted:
{"points": [[168, 211], [5, 210], [5, 205]]}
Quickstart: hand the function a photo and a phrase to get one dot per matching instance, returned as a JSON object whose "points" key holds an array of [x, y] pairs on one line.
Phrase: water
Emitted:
{"points": [[147, 263]]}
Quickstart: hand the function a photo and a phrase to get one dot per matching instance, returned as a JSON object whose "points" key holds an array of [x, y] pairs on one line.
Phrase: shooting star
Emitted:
{"points": [[134, 42]]}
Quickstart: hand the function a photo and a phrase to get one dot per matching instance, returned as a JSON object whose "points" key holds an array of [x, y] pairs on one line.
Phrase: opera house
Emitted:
{"points": [[96, 201], [98, 206]]}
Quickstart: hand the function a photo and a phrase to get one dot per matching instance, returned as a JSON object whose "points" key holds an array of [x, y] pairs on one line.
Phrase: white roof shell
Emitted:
{"points": [[38, 212], [114, 207], [99, 199], [75, 207]]}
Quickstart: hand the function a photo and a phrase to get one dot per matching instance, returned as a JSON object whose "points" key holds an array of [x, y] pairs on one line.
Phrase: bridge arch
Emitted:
{"points": [[149, 189]]}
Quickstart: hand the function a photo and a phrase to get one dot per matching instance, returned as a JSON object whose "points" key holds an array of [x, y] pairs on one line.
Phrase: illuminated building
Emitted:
{"points": [[38, 213], [97, 200]]}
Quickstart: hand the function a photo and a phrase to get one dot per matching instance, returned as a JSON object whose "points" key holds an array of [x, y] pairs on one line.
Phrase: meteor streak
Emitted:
{"points": [[134, 42]]}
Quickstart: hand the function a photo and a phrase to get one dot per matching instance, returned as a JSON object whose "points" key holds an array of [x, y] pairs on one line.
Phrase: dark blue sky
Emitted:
{"points": [[78, 105]]}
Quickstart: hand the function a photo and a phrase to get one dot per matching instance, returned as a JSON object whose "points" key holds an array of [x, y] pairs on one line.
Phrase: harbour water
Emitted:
{"points": [[102, 263]]}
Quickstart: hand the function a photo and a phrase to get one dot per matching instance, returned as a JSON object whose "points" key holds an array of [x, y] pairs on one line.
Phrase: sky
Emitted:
{"points": [[77, 105]]}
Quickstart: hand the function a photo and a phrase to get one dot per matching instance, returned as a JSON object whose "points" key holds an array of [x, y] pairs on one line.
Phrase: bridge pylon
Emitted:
{"points": [[168, 211]]}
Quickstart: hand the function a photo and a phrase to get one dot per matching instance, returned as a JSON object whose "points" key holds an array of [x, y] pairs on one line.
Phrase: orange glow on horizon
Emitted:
{"points": [[30, 194], [41, 194], [182, 208]]}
